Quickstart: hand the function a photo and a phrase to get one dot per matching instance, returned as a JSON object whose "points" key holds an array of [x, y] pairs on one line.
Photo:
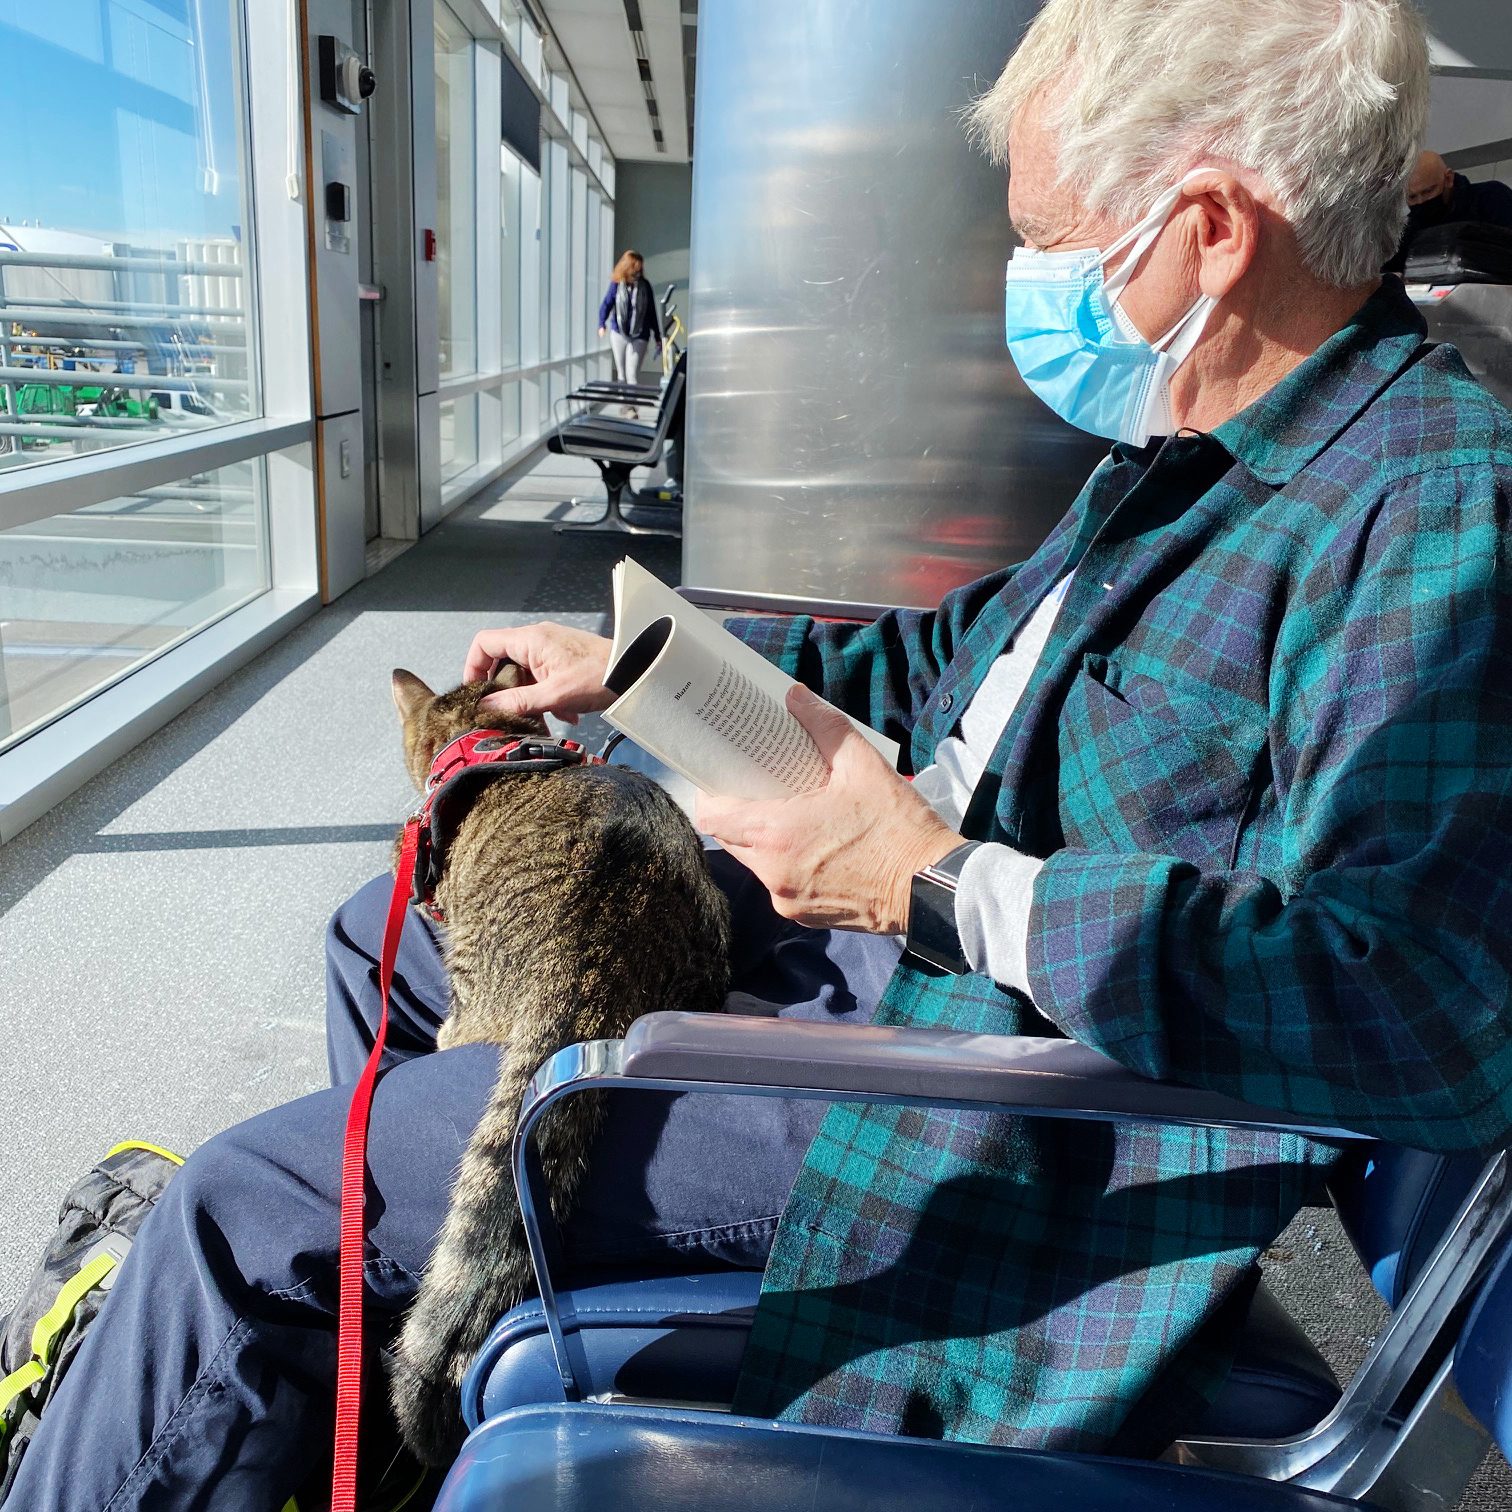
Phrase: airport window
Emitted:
{"points": [[456, 199], [126, 280], [459, 436], [89, 596], [532, 306], [161, 512], [559, 252], [581, 269], [512, 173], [155, 460]]}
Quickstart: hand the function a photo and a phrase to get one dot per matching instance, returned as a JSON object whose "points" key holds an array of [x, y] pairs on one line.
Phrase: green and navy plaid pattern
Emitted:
{"points": [[1268, 755]]}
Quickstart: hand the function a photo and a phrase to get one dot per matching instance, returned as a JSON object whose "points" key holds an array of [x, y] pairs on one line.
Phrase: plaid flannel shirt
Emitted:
{"points": [[1268, 755]]}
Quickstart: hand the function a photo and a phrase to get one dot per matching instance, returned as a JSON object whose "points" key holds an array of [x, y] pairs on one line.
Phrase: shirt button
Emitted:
{"points": [[946, 702]]}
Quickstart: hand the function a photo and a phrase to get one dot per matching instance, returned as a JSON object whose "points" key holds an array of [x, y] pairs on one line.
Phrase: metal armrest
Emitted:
{"points": [[938, 1068], [734, 601], [761, 1057]]}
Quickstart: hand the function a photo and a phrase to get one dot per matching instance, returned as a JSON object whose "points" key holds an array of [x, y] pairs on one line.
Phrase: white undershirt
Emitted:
{"points": [[997, 883]]}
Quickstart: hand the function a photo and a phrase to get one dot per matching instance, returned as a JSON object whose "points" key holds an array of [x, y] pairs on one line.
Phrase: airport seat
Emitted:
{"points": [[672, 1338], [563, 1367], [586, 1457], [617, 447], [611, 391]]}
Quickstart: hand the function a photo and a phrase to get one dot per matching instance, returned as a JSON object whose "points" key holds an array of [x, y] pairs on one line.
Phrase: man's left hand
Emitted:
{"points": [[844, 855]]}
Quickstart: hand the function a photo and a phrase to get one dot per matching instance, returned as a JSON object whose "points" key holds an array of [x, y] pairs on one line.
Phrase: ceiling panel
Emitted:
{"points": [[595, 37]]}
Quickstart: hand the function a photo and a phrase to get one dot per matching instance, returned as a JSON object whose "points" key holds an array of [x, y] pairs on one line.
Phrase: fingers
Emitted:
{"points": [[489, 647], [734, 822], [528, 699], [715, 816], [829, 727]]}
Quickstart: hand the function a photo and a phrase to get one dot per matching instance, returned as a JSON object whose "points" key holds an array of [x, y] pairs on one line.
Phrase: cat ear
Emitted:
{"points": [[409, 692], [508, 674]]}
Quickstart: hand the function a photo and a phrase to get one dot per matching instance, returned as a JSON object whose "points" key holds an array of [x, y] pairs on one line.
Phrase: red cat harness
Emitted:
{"points": [[460, 771]]}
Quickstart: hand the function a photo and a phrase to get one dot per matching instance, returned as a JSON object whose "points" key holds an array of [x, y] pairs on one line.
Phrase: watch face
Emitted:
{"points": [[932, 934]]}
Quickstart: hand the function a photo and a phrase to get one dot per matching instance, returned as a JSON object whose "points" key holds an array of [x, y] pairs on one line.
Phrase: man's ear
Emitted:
{"points": [[409, 692], [1228, 232]]}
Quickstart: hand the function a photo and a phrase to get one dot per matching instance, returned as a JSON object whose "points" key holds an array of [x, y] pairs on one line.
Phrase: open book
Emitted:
{"points": [[703, 702]]}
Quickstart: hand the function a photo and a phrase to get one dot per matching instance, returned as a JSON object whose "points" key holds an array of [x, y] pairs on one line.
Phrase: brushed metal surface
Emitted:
{"points": [[1477, 318], [857, 430]]}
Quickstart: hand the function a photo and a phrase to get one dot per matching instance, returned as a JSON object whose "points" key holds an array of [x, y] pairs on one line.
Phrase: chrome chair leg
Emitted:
{"points": [[613, 522]]}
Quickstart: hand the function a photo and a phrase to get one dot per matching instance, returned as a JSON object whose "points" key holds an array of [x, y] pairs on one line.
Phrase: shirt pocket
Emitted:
{"points": [[1164, 765]]}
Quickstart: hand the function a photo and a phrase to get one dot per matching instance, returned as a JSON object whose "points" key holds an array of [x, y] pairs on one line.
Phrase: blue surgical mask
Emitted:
{"points": [[1077, 349]]}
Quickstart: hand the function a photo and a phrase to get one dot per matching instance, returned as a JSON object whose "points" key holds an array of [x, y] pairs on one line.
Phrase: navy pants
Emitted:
{"points": [[208, 1378]]}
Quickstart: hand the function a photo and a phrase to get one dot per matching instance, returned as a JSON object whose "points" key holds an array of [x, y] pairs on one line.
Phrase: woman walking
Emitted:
{"points": [[629, 315]]}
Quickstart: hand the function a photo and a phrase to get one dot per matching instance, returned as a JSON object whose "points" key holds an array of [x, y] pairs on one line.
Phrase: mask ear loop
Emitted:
{"points": [[1178, 342], [1141, 237]]}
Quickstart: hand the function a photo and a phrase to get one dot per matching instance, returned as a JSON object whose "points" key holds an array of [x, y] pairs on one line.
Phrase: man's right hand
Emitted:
{"points": [[565, 670]]}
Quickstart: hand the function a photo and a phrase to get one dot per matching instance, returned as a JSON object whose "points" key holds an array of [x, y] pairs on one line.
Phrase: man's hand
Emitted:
{"points": [[843, 856], [565, 669]]}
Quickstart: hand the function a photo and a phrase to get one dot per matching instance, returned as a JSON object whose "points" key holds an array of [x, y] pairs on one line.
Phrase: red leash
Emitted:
{"points": [[353, 1171], [420, 851]]}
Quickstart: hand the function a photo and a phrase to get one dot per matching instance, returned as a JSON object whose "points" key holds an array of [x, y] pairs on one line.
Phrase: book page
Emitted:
{"points": [[704, 718], [640, 599]]}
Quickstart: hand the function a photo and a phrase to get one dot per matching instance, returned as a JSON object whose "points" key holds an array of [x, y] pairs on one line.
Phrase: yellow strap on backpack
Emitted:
{"points": [[44, 1337], [142, 1144]]}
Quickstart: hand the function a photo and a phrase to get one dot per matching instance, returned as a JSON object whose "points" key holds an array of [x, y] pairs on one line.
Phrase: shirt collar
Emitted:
{"points": [[1290, 424]]}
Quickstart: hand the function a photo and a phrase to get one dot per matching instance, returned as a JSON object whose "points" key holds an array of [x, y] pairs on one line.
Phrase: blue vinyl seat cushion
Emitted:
{"points": [[1483, 1356], [594, 1457], [1395, 1204], [680, 1339]]}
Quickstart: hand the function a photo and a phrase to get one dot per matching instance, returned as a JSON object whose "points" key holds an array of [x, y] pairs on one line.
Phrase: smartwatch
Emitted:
{"points": [[932, 935]]}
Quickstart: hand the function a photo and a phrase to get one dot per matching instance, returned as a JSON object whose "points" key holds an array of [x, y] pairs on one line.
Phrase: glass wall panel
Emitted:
{"points": [[87, 597], [509, 416], [531, 417], [560, 251], [530, 302], [459, 436], [456, 195], [511, 222], [126, 300], [598, 269], [580, 312]]}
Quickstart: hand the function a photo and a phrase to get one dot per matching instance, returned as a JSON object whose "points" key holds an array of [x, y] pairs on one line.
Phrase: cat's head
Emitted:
{"points": [[432, 719]]}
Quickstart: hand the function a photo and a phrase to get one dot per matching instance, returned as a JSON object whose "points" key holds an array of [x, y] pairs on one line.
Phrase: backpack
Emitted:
{"points": [[97, 1224]]}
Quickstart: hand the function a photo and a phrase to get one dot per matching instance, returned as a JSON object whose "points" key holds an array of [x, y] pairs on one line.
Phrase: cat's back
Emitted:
{"points": [[576, 843]]}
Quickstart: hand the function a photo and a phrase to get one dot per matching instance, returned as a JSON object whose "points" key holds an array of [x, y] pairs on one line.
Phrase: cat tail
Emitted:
{"points": [[481, 1265]]}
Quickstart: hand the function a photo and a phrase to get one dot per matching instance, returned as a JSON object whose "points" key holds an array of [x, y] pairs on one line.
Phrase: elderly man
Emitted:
{"points": [[1218, 777], [1438, 196]]}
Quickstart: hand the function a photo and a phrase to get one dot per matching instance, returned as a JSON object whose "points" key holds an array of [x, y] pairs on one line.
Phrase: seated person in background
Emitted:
{"points": [[1438, 196], [1223, 768]]}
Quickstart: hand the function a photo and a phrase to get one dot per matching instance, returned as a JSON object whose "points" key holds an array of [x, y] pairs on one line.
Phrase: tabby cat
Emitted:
{"points": [[574, 902]]}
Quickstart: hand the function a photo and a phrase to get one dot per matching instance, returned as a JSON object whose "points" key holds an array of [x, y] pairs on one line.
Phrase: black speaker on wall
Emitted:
{"points": [[521, 125]]}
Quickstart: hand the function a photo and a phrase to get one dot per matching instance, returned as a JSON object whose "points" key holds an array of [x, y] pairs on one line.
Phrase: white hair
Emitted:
{"points": [[1325, 100]]}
